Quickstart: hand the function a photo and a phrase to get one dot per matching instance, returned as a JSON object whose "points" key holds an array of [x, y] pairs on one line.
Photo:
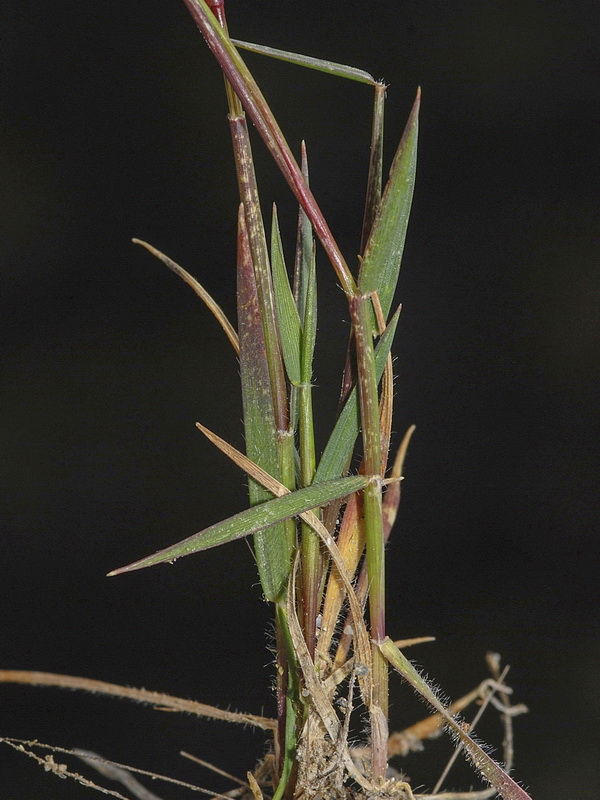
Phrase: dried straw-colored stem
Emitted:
{"points": [[160, 701]]}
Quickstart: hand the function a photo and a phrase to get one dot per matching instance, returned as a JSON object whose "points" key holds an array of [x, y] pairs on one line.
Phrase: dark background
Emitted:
{"points": [[113, 126]]}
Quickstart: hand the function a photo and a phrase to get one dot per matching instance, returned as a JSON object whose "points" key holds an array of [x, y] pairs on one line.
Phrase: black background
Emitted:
{"points": [[113, 126]]}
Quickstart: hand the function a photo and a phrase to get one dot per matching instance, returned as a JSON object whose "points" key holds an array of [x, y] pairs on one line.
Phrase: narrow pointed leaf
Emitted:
{"points": [[309, 323], [361, 639], [253, 520], [211, 304], [320, 64], [303, 258], [341, 442], [272, 549], [381, 263], [290, 330], [312, 561], [489, 769], [304, 246], [257, 241]]}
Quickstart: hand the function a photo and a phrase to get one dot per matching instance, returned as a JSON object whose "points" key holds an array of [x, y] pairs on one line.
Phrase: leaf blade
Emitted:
{"points": [[195, 284], [290, 329], [319, 64], [272, 549], [383, 254], [254, 519]]}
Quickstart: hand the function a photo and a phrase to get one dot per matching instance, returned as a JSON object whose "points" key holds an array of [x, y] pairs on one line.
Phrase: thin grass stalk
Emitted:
{"points": [[386, 405], [209, 301], [304, 254], [332, 511], [360, 311], [319, 64], [372, 201], [369, 410], [337, 455], [288, 702], [351, 536], [390, 505], [311, 549], [374, 181], [233, 101], [158, 700], [304, 245]]}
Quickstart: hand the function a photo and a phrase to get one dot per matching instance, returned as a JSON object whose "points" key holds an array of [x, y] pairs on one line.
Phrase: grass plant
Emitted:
{"points": [[319, 527]]}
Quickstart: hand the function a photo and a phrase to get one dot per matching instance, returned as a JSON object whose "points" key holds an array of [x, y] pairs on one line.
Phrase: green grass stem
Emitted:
{"points": [[310, 546], [338, 450], [360, 310]]}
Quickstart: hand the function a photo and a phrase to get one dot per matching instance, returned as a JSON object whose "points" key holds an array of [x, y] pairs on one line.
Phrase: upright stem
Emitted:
{"points": [[360, 312], [233, 101], [311, 549], [374, 181]]}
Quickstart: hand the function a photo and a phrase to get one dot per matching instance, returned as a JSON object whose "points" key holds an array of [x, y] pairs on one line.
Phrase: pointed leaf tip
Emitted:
{"points": [[257, 518], [380, 266], [290, 328]]}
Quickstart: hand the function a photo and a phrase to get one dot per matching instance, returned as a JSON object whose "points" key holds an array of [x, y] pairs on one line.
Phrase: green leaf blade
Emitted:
{"points": [[290, 329], [304, 246], [253, 520], [309, 323], [383, 254], [272, 549], [319, 64]]}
